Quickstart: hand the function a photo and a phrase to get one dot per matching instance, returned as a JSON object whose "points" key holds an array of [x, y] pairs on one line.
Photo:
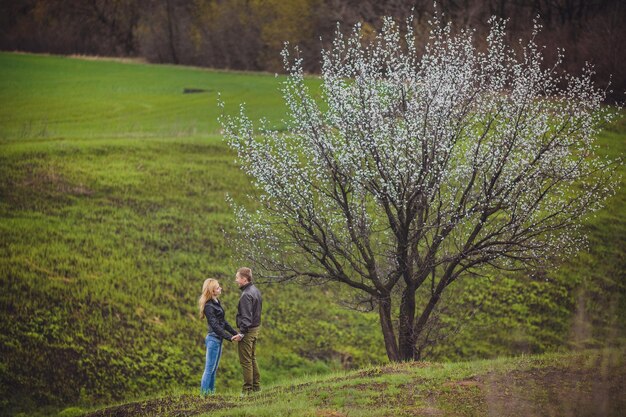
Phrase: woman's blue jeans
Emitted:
{"points": [[213, 355]]}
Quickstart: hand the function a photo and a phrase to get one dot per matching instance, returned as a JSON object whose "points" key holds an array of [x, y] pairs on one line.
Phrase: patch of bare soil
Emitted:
{"points": [[329, 413], [126, 60], [472, 382], [549, 391], [424, 412], [375, 386], [556, 392], [183, 406], [394, 368], [49, 179]]}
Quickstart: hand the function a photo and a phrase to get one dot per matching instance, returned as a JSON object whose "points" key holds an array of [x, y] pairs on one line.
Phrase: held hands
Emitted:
{"points": [[236, 338]]}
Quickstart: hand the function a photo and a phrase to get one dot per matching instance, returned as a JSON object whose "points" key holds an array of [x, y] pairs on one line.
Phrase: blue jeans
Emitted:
{"points": [[213, 355]]}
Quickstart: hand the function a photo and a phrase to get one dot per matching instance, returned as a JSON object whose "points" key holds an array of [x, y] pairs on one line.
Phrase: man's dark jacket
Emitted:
{"points": [[249, 308]]}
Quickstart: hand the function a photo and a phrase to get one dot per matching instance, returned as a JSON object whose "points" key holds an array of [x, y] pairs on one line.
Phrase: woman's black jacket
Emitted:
{"points": [[216, 320]]}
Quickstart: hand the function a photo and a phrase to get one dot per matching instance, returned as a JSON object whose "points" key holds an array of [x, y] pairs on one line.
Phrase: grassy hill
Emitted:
{"points": [[112, 211], [111, 218], [590, 383]]}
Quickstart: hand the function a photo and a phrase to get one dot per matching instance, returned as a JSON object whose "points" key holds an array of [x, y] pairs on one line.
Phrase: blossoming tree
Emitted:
{"points": [[413, 171]]}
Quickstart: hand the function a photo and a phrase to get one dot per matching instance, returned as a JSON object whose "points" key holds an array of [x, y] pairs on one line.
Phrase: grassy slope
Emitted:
{"points": [[109, 230], [581, 384], [112, 186]]}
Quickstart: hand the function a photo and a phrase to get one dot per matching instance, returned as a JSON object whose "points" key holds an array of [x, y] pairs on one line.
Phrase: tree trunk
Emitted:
{"points": [[406, 337], [384, 312], [422, 320], [171, 19]]}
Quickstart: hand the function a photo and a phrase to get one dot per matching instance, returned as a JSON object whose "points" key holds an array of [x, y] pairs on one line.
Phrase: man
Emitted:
{"points": [[249, 324]]}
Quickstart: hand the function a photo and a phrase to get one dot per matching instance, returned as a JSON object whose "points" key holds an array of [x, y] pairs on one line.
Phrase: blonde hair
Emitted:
{"points": [[245, 273], [209, 292]]}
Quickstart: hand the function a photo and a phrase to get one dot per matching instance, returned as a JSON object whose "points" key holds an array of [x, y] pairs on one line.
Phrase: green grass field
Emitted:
{"points": [[112, 213], [75, 98]]}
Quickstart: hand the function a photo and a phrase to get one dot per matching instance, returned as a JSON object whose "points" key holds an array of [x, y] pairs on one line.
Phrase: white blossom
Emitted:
{"points": [[410, 167]]}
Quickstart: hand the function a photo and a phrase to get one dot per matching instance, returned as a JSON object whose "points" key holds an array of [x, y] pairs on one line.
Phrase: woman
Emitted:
{"points": [[210, 307]]}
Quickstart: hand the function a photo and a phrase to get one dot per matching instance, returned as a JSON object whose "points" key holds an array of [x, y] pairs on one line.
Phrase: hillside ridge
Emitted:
{"points": [[570, 384]]}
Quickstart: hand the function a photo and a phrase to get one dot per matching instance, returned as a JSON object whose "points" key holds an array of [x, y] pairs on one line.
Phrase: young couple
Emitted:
{"points": [[248, 322]]}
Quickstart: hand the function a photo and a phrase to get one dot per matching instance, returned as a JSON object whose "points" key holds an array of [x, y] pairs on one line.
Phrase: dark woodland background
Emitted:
{"points": [[249, 34]]}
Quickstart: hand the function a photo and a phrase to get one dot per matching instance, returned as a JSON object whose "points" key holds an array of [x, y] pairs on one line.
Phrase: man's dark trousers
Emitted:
{"points": [[247, 359]]}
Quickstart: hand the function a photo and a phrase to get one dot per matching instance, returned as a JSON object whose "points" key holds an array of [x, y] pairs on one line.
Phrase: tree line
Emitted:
{"points": [[249, 34]]}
